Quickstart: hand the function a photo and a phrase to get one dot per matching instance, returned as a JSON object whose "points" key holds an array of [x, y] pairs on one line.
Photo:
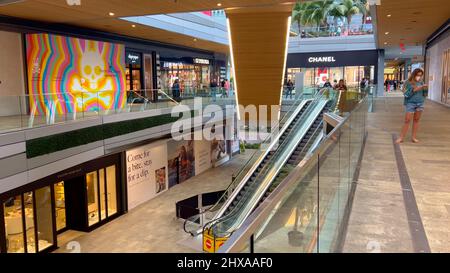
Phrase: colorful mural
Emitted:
{"points": [[67, 75]]}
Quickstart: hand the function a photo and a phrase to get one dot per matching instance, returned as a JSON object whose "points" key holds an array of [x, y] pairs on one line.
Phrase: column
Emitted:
{"points": [[258, 45]]}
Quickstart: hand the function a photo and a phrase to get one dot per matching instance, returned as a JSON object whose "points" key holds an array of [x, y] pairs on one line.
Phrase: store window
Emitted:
{"points": [[13, 213], [134, 71], [92, 198], [101, 194], [29, 222], [60, 206], [111, 193], [191, 76], [44, 218]]}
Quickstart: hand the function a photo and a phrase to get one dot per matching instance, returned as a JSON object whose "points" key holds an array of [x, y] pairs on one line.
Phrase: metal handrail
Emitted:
{"points": [[215, 221], [229, 189], [240, 237]]}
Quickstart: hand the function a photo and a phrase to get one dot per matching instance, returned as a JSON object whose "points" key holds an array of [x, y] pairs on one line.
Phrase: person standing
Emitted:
{"points": [[341, 86], [415, 92], [227, 87], [289, 88], [176, 90], [327, 84]]}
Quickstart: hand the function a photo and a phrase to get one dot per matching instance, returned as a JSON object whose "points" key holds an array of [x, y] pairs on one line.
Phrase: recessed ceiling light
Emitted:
{"points": [[133, 25], [389, 15], [111, 14], [195, 39], [385, 43], [219, 4], [387, 33]]}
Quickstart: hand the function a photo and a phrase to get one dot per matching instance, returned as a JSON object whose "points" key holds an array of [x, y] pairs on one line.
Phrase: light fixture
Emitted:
{"points": [[385, 43], [219, 4], [389, 15], [111, 14], [195, 39], [386, 33], [133, 25]]}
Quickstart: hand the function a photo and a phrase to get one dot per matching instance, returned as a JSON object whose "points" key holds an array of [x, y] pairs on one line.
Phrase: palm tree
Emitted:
{"points": [[348, 8], [363, 8], [336, 13], [316, 12], [298, 14]]}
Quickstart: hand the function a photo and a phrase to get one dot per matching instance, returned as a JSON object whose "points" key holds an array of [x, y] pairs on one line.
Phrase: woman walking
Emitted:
{"points": [[415, 92]]}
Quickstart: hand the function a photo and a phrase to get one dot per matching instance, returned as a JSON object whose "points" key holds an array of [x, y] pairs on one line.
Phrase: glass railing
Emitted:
{"points": [[194, 224], [224, 226], [308, 211], [332, 31], [30, 111]]}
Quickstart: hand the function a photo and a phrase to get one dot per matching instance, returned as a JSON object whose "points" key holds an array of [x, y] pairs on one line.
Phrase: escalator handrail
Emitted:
{"points": [[318, 98], [295, 108], [268, 177], [249, 173], [253, 222]]}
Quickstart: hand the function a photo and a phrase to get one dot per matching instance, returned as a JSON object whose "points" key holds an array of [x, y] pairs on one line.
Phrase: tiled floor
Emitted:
{"points": [[378, 222], [152, 227]]}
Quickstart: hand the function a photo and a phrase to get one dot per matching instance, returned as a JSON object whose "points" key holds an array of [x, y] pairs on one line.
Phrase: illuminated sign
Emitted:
{"points": [[133, 58], [201, 61], [171, 64], [321, 60]]}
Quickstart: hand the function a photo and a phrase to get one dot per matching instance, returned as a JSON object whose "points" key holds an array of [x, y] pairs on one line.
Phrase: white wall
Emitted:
{"points": [[145, 166], [435, 54], [11, 74]]}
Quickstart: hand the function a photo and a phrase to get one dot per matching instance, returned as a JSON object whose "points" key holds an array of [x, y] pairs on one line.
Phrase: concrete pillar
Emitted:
{"points": [[258, 44], [407, 63], [380, 74]]}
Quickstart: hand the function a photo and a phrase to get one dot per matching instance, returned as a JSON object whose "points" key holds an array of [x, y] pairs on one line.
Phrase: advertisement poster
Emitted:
{"points": [[202, 150], [235, 140], [181, 161], [147, 173], [218, 146], [69, 75], [218, 151]]}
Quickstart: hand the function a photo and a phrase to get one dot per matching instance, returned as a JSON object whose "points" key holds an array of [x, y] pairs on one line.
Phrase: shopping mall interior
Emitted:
{"points": [[225, 126]]}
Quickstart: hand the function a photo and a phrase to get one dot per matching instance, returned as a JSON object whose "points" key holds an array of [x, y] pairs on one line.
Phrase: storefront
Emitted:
{"points": [[316, 68], [139, 70], [192, 73], [81, 198], [134, 70], [438, 65]]}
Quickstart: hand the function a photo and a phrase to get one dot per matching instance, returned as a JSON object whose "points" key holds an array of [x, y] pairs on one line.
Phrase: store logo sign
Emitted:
{"points": [[201, 61], [133, 58], [170, 64], [321, 59]]}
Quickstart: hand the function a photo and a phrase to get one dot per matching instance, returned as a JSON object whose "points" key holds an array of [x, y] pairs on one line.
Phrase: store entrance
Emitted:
{"points": [[83, 202]]}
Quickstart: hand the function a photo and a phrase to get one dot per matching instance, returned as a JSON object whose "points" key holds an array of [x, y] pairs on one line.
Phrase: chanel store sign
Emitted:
{"points": [[321, 60]]}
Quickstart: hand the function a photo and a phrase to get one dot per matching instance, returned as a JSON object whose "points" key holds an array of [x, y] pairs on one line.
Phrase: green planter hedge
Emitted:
{"points": [[54, 143]]}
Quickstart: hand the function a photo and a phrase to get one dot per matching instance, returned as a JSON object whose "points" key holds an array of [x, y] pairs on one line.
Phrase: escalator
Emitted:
{"points": [[254, 166], [301, 135]]}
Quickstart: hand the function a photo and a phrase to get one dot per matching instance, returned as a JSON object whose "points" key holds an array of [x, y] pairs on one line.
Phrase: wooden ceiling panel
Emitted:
{"points": [[410, 21], [94, 14], [155, 34]]}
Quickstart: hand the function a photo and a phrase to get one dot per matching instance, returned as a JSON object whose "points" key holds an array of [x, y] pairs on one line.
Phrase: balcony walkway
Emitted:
{"points": [[383, 219]]}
